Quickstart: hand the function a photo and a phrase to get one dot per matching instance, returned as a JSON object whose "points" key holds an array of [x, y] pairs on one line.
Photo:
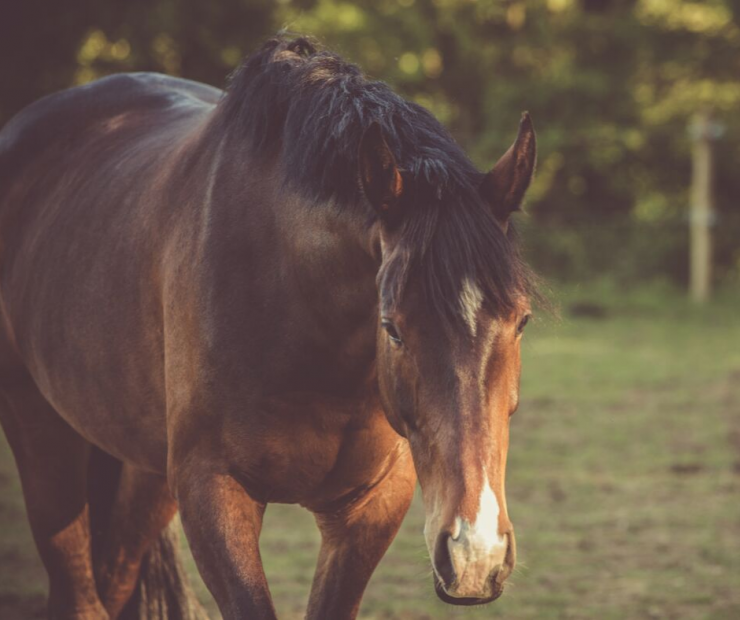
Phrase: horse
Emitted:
{"points": [[297, 291]]}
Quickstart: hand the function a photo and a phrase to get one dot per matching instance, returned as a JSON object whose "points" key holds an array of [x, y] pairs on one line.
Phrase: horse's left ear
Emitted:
{"points": [[380, 177], [504, 187]]}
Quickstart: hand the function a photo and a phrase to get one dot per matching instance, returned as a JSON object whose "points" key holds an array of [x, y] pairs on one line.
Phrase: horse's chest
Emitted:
{"points": [[311, 450]]}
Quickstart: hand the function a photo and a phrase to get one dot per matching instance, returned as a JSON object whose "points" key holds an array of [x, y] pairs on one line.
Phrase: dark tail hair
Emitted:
{"points": [[163, 591]]}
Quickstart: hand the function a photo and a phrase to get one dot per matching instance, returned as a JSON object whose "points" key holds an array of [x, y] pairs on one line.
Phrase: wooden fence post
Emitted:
{"points": [[703, 132]]}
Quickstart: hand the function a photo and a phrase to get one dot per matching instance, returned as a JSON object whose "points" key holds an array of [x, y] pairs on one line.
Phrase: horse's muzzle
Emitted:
{"points": [[464, 577], [496, 589]]}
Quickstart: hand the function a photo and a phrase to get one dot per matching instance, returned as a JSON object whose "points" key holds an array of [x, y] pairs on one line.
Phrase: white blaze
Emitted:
{"points": [[471, 300], [486, 521]]}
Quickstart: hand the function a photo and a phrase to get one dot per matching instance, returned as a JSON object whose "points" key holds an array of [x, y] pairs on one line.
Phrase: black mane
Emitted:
{"points": [[313, 108]]}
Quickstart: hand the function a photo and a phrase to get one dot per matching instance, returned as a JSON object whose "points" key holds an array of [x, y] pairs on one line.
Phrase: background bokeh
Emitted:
{"points": [[624, 476], [611, 85]]}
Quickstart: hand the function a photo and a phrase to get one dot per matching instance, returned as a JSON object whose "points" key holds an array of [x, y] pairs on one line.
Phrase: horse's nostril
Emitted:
{"points": [[510, 559], [497, 578], [442, 560]]}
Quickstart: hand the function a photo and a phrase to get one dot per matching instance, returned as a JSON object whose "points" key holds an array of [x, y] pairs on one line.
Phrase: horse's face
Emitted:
{"points": [[450, 387], [451, 392]]}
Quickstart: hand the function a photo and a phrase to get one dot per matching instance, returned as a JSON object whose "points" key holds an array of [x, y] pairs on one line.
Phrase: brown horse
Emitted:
{"points": [[301, 291]]}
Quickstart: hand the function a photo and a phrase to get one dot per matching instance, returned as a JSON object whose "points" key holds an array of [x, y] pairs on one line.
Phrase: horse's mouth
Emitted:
{"points": [[498, 590]]}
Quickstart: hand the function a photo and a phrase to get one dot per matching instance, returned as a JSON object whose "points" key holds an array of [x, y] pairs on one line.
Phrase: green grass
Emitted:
{"points": [[623, 480]]}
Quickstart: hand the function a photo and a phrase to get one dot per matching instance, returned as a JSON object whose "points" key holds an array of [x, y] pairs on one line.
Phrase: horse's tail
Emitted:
{"points": [[163, 591]]}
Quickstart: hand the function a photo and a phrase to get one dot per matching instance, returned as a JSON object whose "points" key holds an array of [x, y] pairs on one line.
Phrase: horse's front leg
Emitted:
{"points": [[222, 524], [355, 538]]}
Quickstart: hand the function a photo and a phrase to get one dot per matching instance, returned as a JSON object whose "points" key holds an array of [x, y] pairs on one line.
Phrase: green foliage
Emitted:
{"points": [[611, 84]]}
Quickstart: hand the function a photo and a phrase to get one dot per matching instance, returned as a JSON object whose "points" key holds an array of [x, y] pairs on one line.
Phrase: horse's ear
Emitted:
{"points": [[504, 186], [379, 175]]}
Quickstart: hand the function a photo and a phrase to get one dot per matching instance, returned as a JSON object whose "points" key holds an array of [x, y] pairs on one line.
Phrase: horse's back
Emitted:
{"points": [[73, 108], [107, 104], [100, 129], [85, 178]]}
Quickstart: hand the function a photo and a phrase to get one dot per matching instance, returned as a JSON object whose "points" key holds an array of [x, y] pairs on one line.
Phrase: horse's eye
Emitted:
{"points": [[523, 323], [392, 332]]}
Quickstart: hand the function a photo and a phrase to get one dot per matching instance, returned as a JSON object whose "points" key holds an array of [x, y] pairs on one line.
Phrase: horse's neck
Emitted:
{"points": [[283, 266], [335, 271]]}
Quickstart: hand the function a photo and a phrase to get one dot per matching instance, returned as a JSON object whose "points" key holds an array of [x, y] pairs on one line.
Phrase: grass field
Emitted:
{"points": [[623, 480]]}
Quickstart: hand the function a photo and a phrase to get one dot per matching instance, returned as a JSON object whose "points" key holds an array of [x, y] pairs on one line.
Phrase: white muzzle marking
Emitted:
{"points": [[476, 548]]}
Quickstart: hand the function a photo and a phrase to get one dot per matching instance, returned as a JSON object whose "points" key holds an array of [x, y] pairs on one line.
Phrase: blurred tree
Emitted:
{"points": [[611, 85], [46, 46], [38, 44]]}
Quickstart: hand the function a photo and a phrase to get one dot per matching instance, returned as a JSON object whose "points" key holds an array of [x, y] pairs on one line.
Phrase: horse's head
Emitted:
{"points": [[449, 368]]}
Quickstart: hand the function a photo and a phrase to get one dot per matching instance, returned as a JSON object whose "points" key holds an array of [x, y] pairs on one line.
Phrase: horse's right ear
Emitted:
{"points": [[504, 186], [380, 177]]}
